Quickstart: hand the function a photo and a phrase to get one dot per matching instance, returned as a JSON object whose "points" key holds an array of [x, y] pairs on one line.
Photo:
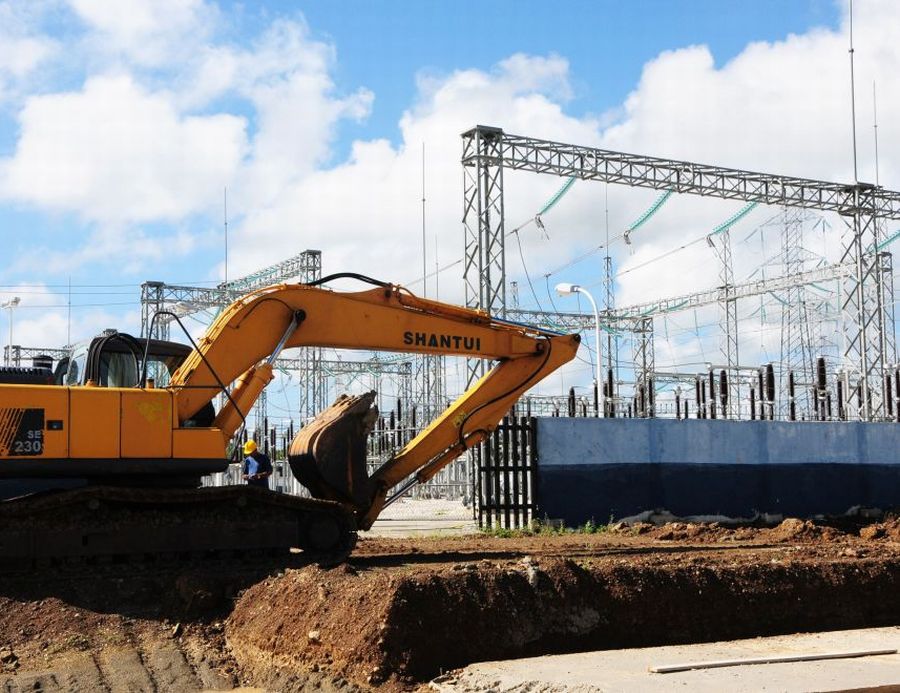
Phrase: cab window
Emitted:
{"points": [[118, 370], [76, 366]]}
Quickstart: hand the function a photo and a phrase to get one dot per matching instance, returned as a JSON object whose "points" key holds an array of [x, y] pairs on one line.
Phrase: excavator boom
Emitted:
{"points": [[328, 456]]}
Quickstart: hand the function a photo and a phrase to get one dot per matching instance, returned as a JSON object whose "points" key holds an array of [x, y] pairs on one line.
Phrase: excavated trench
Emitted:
{"points": [[403, 611], [403, 620]]}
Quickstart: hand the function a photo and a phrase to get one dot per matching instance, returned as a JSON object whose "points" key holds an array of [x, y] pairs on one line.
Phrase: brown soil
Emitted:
{"points": [[404, 610]]}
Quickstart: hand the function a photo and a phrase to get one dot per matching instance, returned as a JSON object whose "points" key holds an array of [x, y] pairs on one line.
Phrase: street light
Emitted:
{"points": [[10, 305], [566, 289]]}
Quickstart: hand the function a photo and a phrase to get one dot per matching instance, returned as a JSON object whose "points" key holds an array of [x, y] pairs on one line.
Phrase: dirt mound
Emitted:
{"points": [[794, 530], [685, 531], [395, 627], [314, 618], [790, 530], [888, 530]]}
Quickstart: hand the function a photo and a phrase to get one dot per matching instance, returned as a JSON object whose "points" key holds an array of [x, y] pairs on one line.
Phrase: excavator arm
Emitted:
{"points": [[329, 455]]}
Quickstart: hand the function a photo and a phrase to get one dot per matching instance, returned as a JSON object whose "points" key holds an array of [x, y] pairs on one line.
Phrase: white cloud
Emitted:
{"points": [[114, 153], [22, 48], [20, 55], [365, 214], [117, 152], [147, 32], [128, 250], [42, 318], [286, 78]]}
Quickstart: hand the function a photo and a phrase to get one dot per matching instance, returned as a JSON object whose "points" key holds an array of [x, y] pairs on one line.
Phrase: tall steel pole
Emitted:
{"points": [[565, 289], [10, 306]]}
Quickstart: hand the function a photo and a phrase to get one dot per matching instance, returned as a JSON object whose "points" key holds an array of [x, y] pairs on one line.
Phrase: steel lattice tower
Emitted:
{"points": [[798, 348], [609, 305], [728, 323], [864, 357], [484, 265]]}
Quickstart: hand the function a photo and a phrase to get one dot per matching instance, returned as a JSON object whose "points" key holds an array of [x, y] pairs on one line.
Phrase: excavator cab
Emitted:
{"points": [[114, 359]]}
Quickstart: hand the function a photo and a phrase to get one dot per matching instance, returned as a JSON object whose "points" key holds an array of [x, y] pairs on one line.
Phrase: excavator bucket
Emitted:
{"points": [[328, 455]]}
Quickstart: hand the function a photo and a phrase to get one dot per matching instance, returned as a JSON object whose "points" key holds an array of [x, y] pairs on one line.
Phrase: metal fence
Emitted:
{"points": [[494, 485], [506, 479], [453, 483]]}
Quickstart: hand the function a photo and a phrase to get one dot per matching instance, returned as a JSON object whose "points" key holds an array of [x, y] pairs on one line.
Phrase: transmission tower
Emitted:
{"points": [[728, 318], [609, 305], [798, 348]]}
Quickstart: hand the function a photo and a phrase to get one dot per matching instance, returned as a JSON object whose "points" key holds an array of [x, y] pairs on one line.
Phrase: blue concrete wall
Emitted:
{"points": [[611, 468]]}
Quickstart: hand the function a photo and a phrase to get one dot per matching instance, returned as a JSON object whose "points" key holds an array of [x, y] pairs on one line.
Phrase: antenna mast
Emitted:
{"points": [[853, 97], [68, 315], [225, 218], [424, 255], [875, 119]]}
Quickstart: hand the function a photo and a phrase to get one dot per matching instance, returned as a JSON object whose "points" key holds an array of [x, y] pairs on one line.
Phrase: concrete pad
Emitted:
{"points": [[628, 670], [420, 528], [415, 517]]}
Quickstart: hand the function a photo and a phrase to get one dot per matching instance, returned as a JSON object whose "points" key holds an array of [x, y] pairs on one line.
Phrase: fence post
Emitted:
{"points": [[517, 469], [532, 468]]}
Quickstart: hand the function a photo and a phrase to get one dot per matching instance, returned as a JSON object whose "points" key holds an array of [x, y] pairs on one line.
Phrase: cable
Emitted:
{"points": [[348, 275], [432, 274], [550, 295], [75, 305], [634, 226], [143, 380], [527, 276], [32, 292], [93, 363], [97, 286], [536, 219], [523, 384], [657, 258]]}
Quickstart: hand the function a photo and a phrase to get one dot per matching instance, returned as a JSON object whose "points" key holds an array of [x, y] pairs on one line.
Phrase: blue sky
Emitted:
{"points": [[605, 42], [122, 123]]}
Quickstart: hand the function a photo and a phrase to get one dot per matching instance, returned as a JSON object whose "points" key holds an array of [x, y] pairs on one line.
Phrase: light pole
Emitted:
{"points": [[10, 305], [566, 289]]}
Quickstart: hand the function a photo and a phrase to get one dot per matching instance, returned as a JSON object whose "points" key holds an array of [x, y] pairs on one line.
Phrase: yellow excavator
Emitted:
{"points": [[125, 462]]}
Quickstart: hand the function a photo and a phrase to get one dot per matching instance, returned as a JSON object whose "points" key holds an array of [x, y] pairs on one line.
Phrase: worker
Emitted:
{"points": [[257, 467]]}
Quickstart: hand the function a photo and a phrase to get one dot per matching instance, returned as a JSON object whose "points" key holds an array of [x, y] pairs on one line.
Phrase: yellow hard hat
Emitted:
{"points": [[249, 446]]}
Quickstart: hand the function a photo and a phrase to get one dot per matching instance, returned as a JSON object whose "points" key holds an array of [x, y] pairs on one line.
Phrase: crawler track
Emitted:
{"points": [[104, 524]]}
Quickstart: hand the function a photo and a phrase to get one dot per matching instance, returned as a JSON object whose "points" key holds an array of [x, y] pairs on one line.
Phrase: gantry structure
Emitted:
{"points": [[165, 300], [190, 300], [160, 302], [25, 356], [867, 315]]}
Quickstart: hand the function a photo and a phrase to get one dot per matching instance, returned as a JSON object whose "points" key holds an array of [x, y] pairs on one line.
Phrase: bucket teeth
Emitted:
{"points": [[328, 456]]}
